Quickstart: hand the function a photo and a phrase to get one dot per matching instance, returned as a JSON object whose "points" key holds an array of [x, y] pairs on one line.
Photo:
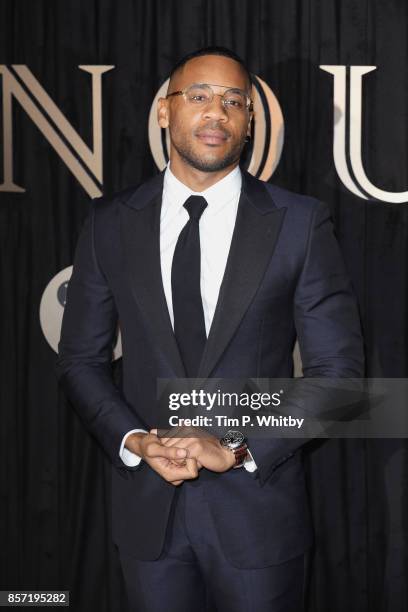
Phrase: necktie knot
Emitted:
{"points": [[195, 206]]}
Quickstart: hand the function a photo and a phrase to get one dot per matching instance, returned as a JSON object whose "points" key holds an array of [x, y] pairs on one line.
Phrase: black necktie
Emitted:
{"points": [[189, 324]]}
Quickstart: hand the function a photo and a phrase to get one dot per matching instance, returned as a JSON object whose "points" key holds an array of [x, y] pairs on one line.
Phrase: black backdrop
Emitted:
{"points": [[54, 515]]}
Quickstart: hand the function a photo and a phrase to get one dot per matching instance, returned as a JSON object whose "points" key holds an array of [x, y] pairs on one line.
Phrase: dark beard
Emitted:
{"points": [[215, 165]]}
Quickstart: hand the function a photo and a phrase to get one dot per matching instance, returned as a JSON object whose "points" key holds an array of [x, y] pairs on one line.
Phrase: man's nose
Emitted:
{"points": [[216, 109]]}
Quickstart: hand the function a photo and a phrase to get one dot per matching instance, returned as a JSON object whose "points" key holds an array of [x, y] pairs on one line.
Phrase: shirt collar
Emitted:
{"points": [[217, 196]]}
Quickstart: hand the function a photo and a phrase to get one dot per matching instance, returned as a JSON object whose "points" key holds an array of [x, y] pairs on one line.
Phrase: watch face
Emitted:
{"points": [[233, 438]]}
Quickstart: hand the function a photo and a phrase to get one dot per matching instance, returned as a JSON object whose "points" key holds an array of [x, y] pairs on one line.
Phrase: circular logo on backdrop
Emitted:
{"points": [[260, 156], [52, 309]]}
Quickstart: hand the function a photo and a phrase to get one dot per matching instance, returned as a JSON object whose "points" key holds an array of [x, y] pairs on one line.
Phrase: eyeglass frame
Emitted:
{"points": [[182, 92]]}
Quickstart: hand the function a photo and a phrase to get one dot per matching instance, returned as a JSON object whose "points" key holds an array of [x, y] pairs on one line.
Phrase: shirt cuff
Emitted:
{"points": [[129, 458], [249, 463]]}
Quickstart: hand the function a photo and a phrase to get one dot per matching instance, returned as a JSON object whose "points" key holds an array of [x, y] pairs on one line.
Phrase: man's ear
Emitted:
{"points": [[163, 112]]}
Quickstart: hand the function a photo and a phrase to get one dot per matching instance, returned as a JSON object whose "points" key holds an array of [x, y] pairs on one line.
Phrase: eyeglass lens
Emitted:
{"points": [[201, 94]]}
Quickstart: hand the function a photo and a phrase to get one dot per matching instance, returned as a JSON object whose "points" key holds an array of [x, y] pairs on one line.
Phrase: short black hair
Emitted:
{"points": [[212, 50]]}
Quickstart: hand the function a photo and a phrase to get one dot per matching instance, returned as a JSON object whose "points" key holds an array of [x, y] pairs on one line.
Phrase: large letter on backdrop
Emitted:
{"points": [[362, 182], [91, 159]]}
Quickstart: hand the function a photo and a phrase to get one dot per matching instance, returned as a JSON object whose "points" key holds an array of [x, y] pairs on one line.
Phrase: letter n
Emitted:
{"points": [[84, 163]]}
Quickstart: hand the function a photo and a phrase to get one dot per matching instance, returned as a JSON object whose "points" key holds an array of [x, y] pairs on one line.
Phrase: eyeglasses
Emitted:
{"points": [[201, 94]]}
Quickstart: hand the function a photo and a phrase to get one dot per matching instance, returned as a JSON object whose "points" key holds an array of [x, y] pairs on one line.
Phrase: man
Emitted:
{"points": [[210, 273]]}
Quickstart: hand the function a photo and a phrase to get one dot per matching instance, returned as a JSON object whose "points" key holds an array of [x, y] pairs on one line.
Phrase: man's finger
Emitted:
{"points": [[186, 472], [191, 465], [169, 452], [171, 441]]}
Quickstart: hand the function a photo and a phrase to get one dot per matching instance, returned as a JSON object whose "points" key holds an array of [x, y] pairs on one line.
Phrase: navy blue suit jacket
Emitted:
{"points": [[284, 279]]}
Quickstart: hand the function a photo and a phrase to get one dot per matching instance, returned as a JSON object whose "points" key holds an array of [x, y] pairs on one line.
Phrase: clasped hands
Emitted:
{"points": [[182, 454]]}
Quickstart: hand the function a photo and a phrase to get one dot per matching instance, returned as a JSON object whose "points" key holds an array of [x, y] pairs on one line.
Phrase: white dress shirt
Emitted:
{"points": [[216, 227]]}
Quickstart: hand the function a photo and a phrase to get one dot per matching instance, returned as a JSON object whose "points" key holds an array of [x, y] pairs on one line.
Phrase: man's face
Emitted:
{"points": [[210, 137]]}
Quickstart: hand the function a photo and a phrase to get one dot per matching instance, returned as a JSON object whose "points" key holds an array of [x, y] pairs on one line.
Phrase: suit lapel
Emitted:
{"points": [[140, 224], [256, 231]]}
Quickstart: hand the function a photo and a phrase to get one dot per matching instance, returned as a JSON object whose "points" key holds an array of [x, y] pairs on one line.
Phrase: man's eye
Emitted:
{"points": [[198, 98], [233, 103]]}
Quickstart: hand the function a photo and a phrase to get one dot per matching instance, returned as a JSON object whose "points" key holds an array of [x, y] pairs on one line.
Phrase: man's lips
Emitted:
{"points": [[213, 137]]}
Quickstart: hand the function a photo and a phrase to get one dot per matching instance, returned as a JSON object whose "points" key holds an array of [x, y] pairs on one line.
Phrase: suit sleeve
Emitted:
{"points": [[328, 330], [85, 350]]}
